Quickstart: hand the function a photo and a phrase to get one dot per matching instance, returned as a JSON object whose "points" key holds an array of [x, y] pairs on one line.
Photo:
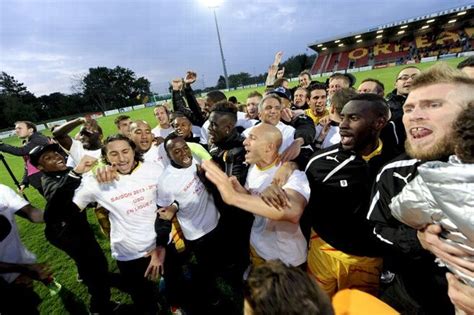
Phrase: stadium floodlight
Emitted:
{"points": [[400, 32], [320, 45], [404, 26], [340, 45], [214, 4], [452, 21], [424, 27], [324, 48], [337, 41], [430, 21], [379, 31], [359, 40], [379, 36], [461, 13], [357, 36]]}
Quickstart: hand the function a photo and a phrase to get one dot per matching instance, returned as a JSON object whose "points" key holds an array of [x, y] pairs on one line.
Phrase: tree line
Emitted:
{"points": [[103, 89]]}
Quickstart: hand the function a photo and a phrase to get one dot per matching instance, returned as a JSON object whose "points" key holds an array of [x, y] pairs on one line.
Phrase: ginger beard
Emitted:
{"points": [[444, 147]]}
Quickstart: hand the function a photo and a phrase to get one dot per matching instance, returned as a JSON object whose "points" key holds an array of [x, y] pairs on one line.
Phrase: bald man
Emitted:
{"points": [[275, 233]]}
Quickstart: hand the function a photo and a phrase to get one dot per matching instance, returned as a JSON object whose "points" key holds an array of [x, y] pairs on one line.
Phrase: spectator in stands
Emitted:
{"points": [[327, 134], [396, 99], [342, 252], [122, 122], [467, 66], [253, 99], [27, 132], [300, 98], [275, 288], [317, 102], [436, 97], [373, 86], [18, 267], [162, 115]]}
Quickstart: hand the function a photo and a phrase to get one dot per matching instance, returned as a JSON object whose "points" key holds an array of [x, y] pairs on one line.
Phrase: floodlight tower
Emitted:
{"points": [[214, 4]]}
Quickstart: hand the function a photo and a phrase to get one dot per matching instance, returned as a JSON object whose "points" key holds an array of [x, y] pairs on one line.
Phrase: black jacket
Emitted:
{"points": [[340, 184], [395, 102], [423, 280], [192, 110], [59, 190], [231, 154]]}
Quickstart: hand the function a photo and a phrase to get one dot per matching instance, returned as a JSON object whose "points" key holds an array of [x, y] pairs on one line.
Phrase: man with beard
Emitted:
{"points": [[436, 98], [342, 252], [27, 131]]}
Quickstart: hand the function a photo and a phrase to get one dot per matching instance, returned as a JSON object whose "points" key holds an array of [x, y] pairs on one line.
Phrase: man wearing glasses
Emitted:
{"points": [[396, 99]]}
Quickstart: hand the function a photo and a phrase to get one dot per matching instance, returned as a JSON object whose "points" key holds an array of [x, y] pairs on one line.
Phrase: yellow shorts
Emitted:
{"points": [[335, 270]]}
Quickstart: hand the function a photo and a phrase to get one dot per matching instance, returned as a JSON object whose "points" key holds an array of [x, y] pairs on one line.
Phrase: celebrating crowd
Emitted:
{"points": [[318, 192]]}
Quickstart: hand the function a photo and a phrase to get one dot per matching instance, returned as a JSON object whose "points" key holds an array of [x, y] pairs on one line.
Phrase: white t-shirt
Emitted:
{"points": [[242, 121], [287, 133], [12, 249], [277, 239], [77, 152], [332, 137], [131, 202], [197, 213], [161, 132], [157, 155]]}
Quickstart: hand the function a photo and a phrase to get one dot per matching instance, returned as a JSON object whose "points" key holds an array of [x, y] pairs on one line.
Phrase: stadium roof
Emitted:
{"points": [[394, 29]]}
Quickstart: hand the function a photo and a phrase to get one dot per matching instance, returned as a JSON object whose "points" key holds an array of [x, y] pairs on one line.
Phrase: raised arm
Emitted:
{"points": [[61, 133], [235, 197]]}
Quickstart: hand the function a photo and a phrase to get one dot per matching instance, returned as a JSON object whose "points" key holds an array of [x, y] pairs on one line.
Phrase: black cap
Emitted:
{"points": [[37, 152], [281, 92]]}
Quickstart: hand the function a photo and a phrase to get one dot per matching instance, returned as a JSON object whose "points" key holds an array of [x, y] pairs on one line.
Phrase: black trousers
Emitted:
{"points": [[207, 251], [18, 299], [144, 292], [77, 240]]}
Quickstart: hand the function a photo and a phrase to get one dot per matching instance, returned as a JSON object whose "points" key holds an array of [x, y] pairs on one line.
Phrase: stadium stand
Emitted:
{"points": [[408, 41]]}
